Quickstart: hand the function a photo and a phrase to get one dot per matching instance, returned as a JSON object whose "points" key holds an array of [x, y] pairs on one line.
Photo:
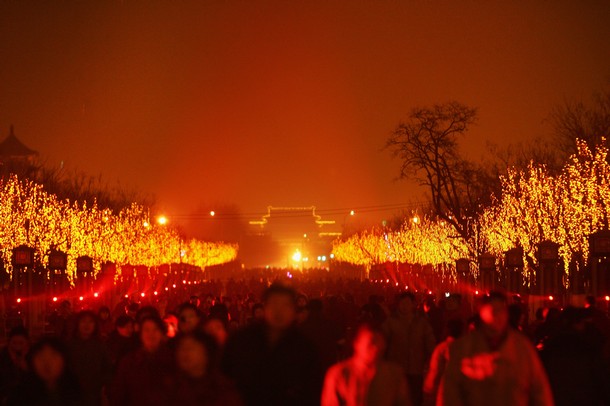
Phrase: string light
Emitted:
{"points": [[31, 216]]}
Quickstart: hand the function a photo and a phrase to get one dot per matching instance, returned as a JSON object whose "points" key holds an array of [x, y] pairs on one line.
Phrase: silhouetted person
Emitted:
{"points": [[410, 343], [189, 318], [365, 378], [273, 363], [13, 361], [575, 368], [89, 358], [439, 361], [322, 332], [122, 340], [198, 380], [494, 364], [49, 381], [143, 375]]}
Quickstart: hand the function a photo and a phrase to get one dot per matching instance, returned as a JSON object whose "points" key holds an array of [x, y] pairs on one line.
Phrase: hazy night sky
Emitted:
{"points": [[284, 103]]}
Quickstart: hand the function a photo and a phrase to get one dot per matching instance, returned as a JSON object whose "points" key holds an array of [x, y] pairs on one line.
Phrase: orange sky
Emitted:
{"points": [[281, 102]]}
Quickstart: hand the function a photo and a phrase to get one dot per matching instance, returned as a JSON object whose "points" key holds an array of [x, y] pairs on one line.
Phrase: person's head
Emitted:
{"points": [[152, 333], [86, 325], [132, 309], [590, 302], [515, 315], [494, 312], [194, 300], [217, 329], [104, 313], [258, 312], [124, 326], [47, 361], [18, 341], [429, 304], [188, 318], [146, 311], [369, 345], [195, 354], [171, 321], [406, 303], [279, 307]]}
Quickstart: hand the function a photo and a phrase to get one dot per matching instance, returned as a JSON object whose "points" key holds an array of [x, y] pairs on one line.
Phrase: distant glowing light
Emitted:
{"points": [[476, 292], [142, 294], [95, 294], [162, 220], [415, 220], [296, 257], [551, 298], [81, 298], [155, 293], [212, 213], [447, 294], [18, 300], [145, 224], [351, 213], [55, 298], [607, 298]]}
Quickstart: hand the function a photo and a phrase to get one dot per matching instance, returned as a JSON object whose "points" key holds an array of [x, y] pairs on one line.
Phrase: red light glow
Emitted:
{"points": [[55, 299], [81, 298], [18, 300]]}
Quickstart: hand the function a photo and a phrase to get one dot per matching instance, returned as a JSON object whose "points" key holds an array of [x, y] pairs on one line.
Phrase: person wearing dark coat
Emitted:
{"points": [[89, 358], [198, 380], [144, 375], [273, 363], [13, 362], [49, 381]]}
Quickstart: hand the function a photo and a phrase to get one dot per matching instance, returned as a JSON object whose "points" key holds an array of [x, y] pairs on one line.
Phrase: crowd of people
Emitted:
{"points": [[312, 342]]}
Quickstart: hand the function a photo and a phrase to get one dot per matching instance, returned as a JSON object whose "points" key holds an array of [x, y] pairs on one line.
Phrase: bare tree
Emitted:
{"points": [[587, 121], [427, 145]]}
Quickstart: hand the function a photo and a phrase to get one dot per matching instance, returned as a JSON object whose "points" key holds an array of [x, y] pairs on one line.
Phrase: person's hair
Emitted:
{"points": [[208, 342], [69, 390], [80, 316], [123, 320], [367, 326], [20, 331], [405, 295], [495, 296], [155, 320], [279, 289], [147, 311], [189, 306], [256, 307], [514, 315], [52, 342], [590, 300]]}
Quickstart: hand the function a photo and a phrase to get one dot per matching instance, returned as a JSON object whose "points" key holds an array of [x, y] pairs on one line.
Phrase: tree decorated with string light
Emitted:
{"points": [[31, 216]]}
